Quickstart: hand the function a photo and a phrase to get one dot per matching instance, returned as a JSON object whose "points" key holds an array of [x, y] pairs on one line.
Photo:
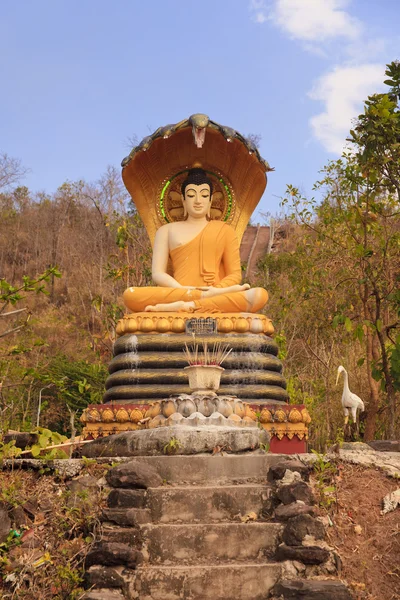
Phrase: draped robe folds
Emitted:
{"points": [[211, 258]]}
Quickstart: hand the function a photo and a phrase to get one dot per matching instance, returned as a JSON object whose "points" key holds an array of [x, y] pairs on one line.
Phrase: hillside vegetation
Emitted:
{"points": [[65, 259]]}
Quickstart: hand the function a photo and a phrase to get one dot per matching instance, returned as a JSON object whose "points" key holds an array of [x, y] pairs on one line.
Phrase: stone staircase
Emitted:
{"points": [[195, 532], [199, 528]]}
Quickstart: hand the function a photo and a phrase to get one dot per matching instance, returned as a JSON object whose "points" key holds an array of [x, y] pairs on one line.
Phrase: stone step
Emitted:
{"points": [[103, 594], [328, 589], [213, 437], [202, 543], [190, 504], [132, 536], [213, 469], [246, 581]]}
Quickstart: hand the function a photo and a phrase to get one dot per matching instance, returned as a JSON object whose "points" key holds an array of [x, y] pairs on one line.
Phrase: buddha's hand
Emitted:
{"points": [[210, 291]]}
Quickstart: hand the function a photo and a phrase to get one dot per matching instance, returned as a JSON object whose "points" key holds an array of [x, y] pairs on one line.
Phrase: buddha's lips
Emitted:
{"points": [[199, 135]]}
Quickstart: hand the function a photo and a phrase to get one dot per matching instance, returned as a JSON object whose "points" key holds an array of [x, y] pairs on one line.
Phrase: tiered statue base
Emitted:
{"points": [[286, 424], [150, 365], [148, 388]]}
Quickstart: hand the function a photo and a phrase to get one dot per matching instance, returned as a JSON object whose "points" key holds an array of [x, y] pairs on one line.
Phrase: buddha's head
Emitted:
{"points": [[197, 194]]}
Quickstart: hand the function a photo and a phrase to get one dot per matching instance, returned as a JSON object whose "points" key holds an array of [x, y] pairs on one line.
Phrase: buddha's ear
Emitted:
{"points": [[184, 207], [208, 215]]}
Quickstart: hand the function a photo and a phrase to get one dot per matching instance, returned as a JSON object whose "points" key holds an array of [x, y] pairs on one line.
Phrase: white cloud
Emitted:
{"points": [[343, 91], [317, 24], [359, 50], [258, 10], [260, 17], [308, 20]]}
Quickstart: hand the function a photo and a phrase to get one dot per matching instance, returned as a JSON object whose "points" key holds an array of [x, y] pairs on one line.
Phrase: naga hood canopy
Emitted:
{"points": [[154, 170]]}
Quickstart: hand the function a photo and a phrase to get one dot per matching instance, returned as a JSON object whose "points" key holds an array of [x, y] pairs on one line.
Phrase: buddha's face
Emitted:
{"points": [[197, 200]]}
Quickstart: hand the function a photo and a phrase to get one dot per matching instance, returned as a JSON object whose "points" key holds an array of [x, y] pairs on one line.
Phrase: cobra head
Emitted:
{"points": [[340, 370]]}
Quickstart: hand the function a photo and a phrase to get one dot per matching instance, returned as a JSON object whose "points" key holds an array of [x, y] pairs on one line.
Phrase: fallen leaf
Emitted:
{"points": [[251, 516]]}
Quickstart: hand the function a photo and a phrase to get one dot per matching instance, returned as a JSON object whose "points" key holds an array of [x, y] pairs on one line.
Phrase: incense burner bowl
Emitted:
{"points": [[204, 379]]}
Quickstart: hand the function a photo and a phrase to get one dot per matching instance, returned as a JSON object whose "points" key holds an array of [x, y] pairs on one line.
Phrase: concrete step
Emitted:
{"points": [[188, 504], [103, 594], [218, 469], [132, 536], [245, 581], [202, 543]]}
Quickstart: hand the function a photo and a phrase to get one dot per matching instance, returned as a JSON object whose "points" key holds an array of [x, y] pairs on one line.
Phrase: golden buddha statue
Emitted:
{"points": [[195, 185], [205, 261], [195, 200]]}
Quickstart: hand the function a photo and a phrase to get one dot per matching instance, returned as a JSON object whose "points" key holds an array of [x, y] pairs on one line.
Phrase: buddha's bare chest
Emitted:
{"points": [[182, 234]]}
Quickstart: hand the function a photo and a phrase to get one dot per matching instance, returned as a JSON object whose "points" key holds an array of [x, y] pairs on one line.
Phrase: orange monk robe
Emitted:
{"points": [[212, 258]]}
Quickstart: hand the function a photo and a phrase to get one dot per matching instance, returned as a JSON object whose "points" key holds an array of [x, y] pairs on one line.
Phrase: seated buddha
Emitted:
{"points": [[205, 261]]}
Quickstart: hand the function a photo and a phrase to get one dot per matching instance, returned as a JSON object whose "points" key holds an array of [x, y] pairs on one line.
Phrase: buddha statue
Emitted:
{"points": [[195, 201], [204, 253], [195, 185]]}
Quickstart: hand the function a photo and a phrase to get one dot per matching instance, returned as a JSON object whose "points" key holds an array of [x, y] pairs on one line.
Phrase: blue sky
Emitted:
{"points": [[79, 77]]}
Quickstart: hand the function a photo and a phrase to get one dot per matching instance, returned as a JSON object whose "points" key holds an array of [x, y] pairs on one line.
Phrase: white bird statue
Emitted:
{"points": [[350, 402]]}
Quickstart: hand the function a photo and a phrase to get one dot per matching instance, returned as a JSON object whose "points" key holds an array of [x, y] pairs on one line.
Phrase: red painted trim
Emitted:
{"points": [[286, 446]]}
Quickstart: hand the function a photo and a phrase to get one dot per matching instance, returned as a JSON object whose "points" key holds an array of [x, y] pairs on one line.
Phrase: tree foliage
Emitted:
{"points": [[338, 279], [334, 284], [56, 347]]}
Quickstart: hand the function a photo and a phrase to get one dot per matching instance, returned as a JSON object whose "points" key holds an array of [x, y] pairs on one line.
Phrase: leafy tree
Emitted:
{"points": [[10, 294], [345, 263], [352, 239], [72, 385], [376, 136]]}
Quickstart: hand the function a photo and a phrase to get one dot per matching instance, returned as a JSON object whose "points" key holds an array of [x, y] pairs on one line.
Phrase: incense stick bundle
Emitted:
{"points": [[214, 356]]}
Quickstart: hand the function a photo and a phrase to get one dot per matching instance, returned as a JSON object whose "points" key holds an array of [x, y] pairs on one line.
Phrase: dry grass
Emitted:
{"points": [[368, 542]]}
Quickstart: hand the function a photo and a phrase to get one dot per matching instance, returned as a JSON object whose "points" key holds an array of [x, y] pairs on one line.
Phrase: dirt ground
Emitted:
{"points": [[367, 542]]}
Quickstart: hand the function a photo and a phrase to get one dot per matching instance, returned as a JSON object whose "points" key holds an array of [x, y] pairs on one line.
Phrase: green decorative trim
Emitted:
{"points": [[230, 201]]}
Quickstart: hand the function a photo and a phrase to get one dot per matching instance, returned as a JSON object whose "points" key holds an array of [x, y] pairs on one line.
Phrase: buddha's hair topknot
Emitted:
{"points": [[197, 177]]}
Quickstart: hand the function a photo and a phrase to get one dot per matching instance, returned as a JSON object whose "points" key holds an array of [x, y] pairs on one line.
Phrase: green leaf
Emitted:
{"points": [[43, 440], [359, 333], [35, 450], [58, 438], [348, 324], [360, 362], [377, 373], [337, 319]]}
